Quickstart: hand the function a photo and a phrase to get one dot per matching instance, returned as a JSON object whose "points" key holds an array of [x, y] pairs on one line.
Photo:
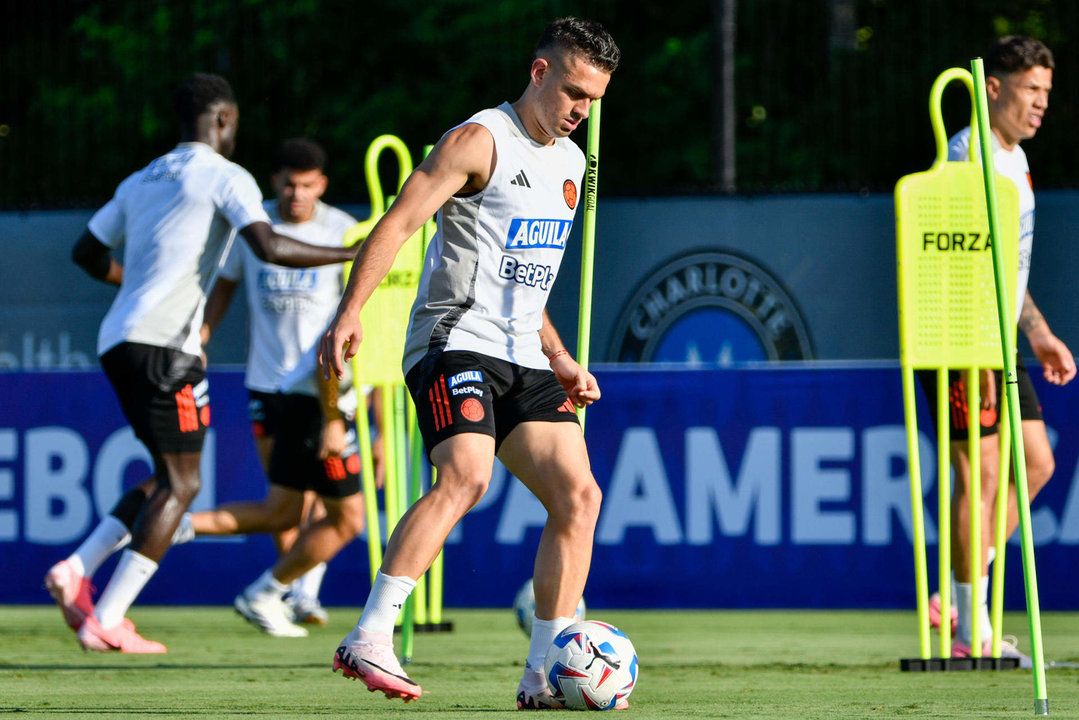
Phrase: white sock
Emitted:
{"points": [[109, 536], [309, 584], [543, 634], [964, 595], [265, 585], [388, 595], [132, 573]]}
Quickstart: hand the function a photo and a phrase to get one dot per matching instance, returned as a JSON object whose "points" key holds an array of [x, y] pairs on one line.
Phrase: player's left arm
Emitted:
{"points": [[1056, 359], [580, 385], [94, 257]]}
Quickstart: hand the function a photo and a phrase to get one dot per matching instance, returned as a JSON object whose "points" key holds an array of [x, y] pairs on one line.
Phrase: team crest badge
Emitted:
{"points": [[569, 191]]}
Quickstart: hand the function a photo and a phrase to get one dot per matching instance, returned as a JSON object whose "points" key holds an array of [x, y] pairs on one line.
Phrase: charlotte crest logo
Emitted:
{"points": [[711, 308]]}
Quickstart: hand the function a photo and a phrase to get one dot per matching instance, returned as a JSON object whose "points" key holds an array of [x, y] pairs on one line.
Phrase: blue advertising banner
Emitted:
{"points": [[778, 486]]}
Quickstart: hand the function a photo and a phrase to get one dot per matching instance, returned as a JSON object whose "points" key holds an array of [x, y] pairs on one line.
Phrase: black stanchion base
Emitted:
{"points": [[429, 627], [968, 664]]}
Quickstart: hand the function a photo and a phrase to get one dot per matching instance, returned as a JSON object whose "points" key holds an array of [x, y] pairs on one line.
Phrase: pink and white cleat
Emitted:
{"points": [[71, 591], [122, 638], [369, 657]]}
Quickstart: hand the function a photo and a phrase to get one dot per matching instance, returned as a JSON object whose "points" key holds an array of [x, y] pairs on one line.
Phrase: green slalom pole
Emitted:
{"points": [[588, 241], [1006, 317]]}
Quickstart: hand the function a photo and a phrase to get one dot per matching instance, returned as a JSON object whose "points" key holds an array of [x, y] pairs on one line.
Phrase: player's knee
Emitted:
{"points": [[580, 506], [464, 486], [350, 518], [1039, 472], [185, 487]]}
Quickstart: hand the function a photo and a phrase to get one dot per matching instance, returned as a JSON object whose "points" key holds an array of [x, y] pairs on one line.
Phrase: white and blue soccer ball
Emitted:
{"points": [[524, 608], [591, 666]]}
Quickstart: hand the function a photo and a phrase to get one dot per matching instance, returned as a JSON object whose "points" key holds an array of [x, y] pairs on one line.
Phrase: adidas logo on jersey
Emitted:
{"points": [[521, 180]]}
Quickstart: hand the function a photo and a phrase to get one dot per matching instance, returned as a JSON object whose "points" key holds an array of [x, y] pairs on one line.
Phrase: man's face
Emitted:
{"points": [[1018, 102], [567, 87], [297, 193]]}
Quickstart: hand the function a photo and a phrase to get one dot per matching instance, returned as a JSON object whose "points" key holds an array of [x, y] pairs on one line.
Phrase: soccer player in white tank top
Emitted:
{"points": [[1019, 76], [505, 185], [306, 446], [173, 218]]}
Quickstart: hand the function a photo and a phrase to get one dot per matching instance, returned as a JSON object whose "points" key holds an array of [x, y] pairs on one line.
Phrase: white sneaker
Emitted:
{"points": [[534, 694], [269, 614], [369, 657], [306, 610], [1008, 649], [184, 532]]}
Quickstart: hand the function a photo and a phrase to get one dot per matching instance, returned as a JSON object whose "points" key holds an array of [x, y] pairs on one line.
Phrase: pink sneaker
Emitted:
{"points": [[71, 591], [934, 613], [122, 637], [369, 657]]}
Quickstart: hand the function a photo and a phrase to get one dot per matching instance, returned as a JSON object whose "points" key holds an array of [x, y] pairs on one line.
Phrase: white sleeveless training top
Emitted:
{"points": [[490, 267], [1012, 164]]}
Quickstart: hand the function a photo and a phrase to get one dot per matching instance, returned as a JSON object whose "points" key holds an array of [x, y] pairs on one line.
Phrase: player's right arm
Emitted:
{"points": [[94, 258], [461, 162], [273, 247]]}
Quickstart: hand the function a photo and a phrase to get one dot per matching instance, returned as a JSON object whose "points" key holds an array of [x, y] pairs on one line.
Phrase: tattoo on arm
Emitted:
{"points": [[1030, 318]]}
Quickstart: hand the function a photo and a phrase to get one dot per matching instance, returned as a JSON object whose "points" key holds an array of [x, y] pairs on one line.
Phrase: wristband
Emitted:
{"points": [[555, 354]]}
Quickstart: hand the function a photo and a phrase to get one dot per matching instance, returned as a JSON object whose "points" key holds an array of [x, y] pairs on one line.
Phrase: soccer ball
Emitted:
{"points": [[524, 608], [591, 666]]}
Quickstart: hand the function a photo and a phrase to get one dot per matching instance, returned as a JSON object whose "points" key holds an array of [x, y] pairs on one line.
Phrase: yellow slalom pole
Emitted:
{"points": [[370, 493], [944, 510], [974, 453]]}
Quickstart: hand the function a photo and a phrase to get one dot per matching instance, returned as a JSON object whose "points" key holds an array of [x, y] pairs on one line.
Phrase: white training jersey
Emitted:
{"points": [[490, 267], [289, 308], [174, 218], [1012, 164]]}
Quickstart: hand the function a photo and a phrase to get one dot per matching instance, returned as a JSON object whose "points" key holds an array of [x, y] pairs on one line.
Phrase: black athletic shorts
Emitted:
{"points": [[294, 423], [1029, 407], [163, 393], [460, 392]]}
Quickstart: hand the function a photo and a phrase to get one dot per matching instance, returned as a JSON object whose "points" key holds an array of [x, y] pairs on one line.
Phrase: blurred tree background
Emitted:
{"points": [[827, 95]]}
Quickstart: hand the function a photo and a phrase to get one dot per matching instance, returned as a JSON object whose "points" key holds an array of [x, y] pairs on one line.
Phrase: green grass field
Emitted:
{"points": [[774, 665]]}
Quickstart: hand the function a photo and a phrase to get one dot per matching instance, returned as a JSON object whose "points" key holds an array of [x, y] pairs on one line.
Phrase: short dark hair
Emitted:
{"points": [[1017, 53], [585, 38], [301, 154], [199, 91]]}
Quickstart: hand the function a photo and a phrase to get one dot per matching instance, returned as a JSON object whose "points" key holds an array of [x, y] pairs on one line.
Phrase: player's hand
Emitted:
{"points": [[580, 385], [988, 388], [1058, 365], [338, 345], [334, 439]]}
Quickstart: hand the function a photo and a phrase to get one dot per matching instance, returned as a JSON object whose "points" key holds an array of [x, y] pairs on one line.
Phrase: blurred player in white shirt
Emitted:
{"points": [[173, 219], [303, 426]]}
